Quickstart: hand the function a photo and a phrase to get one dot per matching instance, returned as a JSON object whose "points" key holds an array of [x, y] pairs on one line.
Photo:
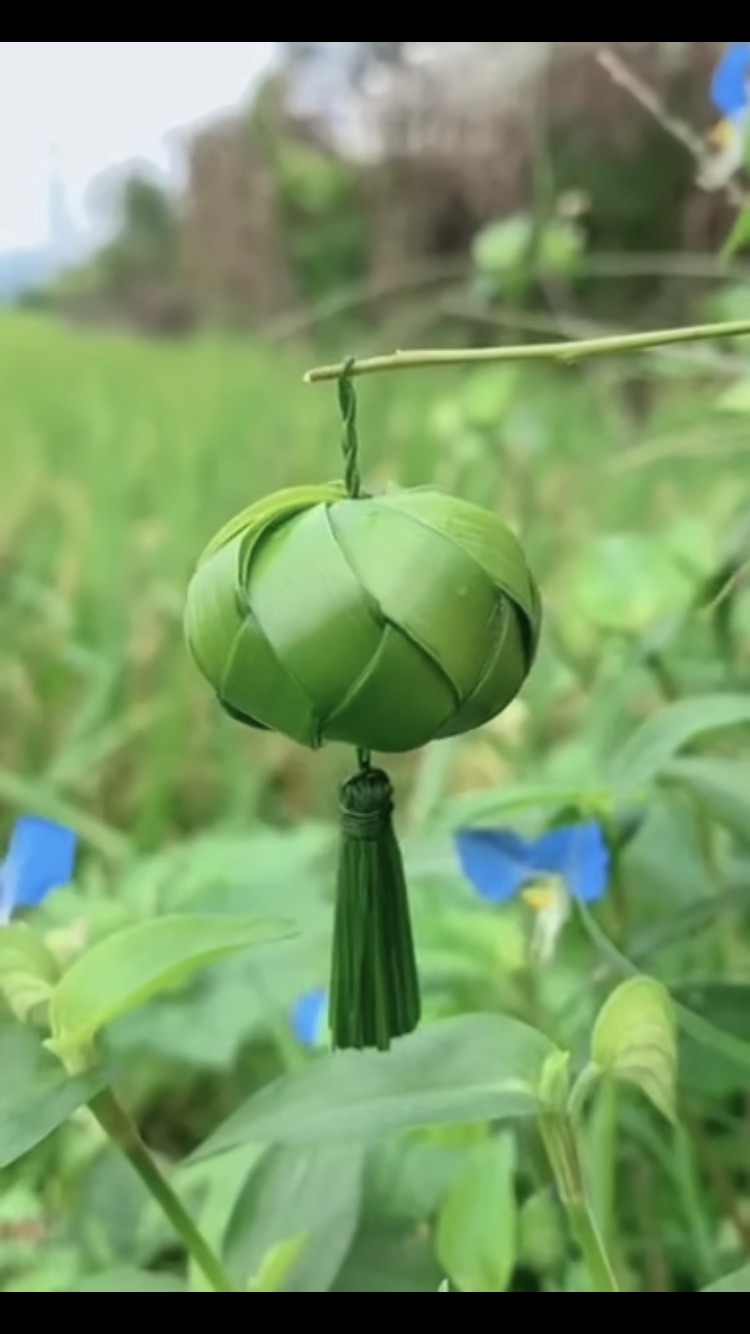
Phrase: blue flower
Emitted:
{"points": [[309, 1018], [570, 863], [730, 94], [501, 865], [730, 86], [41, 857]]}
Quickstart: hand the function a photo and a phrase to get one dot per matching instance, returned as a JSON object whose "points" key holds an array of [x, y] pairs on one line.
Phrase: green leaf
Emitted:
{"points": [[701, 915], [36, 1096], [223, 1180], [391, 1258], [554, 1084], [278, 1265], [716, 1040], [560, 247], [504, 246], [543, 1244], [657, 743], [722, 787], [313, 1194], [477, 1226], [635, 1039], [408, 1178], [477, 1068], [129, 1280], [111, 1200], [238, 874], [705, 1068], [28, 971], [132, 966], [739, 1282]]}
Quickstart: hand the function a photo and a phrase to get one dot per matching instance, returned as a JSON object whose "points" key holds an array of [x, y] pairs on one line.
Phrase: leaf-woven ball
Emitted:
{"points": [[385, 622]]}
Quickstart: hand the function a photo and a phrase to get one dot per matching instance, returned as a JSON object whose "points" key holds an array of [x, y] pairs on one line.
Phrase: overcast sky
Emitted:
{"points": [[100, 104]]}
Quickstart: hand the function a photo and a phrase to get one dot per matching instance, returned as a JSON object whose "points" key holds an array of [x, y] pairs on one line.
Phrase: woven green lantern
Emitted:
{"points": [[383, 622]]}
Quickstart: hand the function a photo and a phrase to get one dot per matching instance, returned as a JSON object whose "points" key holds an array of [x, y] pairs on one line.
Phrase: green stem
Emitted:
{"points": [[689, 1187], [119, 1128], [560, 1141], [732, 947], [566, 353], [663, 677], [602, 1155], [589, 1239]]}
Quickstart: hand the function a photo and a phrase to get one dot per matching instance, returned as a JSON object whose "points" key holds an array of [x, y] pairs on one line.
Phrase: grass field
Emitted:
{"points": [[118, 460]]}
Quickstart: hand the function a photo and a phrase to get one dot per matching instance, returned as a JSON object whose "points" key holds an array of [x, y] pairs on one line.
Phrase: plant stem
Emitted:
{"points": [[566, 353], [561, 1143], [589, 1239], [602, 1155], [689, 1187], [655, 664], [119, 1128], [708, 833]]}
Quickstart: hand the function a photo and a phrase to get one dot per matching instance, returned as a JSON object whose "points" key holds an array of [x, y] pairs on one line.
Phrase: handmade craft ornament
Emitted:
{"points": [[384, 622]]}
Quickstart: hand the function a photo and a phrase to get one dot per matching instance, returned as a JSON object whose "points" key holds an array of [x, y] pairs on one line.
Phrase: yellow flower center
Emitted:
{"points": [[723, 134], [541, 898]]}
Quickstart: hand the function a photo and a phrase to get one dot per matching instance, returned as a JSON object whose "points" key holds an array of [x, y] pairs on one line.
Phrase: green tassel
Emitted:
{"points": [[374, 983]]}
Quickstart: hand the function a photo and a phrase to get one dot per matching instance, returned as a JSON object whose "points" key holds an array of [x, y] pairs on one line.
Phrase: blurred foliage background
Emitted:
{"points": [[375, 164], [486, 192]]}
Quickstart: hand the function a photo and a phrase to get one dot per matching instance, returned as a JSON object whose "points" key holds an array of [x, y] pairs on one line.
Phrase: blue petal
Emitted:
{"points": [[579, 854], [498, 863], [730, 86], [6, 896], [309, 1017], [41, 857]]}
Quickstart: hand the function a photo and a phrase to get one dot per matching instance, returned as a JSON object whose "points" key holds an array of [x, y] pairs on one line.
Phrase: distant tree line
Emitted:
{"points": [[278, 215]]}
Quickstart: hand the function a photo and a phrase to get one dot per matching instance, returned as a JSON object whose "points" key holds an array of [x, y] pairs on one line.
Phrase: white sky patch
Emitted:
{"points": [[94, 105]]}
